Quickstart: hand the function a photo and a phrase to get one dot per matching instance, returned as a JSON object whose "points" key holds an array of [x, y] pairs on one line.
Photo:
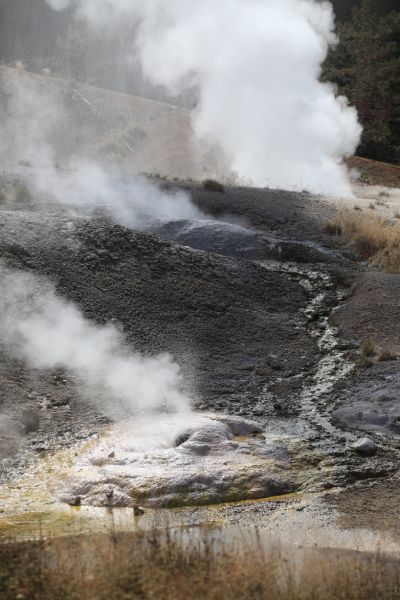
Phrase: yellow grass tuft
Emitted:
{"points": [[376, 238], [370, 354]]}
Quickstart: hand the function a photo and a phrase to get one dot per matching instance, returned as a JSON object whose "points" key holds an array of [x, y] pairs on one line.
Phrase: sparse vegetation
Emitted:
{"points": [[213, 186], [367, 354], [371, 354], [376, 238], [368, 348], [387, 355], [155, 566]]}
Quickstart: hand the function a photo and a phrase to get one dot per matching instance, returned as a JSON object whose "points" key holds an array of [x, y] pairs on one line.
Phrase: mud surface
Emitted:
{"points": [[261, 310], [372, 506], [373, 311]]}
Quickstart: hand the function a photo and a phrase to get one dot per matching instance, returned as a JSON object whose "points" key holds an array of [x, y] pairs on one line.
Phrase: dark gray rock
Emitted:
{"points": [[365, 447], [379, 411], [276, 362], [238, 425]]}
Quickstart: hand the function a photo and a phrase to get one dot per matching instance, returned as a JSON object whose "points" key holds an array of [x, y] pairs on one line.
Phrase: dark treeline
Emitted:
{"points": [[40, 38], [344, 8], [366, 68]]}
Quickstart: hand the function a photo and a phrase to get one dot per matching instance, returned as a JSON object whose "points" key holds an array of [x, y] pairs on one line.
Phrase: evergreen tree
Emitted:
{"points": [[366, 67]]}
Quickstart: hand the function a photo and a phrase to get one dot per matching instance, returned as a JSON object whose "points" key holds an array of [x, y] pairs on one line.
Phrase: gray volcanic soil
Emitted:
{"points": [[219, 317], [220, 314]]}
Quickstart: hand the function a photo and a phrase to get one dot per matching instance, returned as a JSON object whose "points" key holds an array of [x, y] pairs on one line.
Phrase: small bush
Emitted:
{"points": [[213, 186], [368, 348], [367, 354], [370, 354]]}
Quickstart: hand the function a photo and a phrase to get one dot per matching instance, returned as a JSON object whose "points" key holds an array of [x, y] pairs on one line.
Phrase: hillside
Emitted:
{"points": [[39, 37], [141, 134]]}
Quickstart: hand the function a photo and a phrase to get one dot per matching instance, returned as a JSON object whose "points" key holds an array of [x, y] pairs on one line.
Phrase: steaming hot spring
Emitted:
{"points": [[164, 462]]}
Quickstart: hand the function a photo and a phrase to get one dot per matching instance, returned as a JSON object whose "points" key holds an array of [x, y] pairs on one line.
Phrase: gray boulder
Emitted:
{"points": [[365, 447], [276, 362], [238, 425]]}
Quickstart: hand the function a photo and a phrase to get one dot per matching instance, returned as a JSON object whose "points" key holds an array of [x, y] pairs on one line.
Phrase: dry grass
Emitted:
{"points": [[367, 355], [387, 355], [370, 354], [151, 567], [374, 237], [368, 348]]}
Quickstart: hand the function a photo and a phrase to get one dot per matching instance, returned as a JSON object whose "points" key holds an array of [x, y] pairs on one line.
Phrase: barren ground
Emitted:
{"points": [[260, 278], [221, 316]]}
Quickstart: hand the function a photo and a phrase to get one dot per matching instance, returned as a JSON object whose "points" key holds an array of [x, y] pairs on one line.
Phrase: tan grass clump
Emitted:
{"points": [[370, 354], [369, 348], [156, 566], [387, 355], [367, 354], [374, 237]]}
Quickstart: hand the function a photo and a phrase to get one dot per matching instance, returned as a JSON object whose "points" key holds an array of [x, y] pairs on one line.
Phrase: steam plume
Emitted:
{"points": [[51, 333], [32, 134], [257, 66]]}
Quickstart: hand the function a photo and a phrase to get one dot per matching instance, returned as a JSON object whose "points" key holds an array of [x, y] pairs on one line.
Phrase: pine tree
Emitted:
{"points": [[366, 67]]}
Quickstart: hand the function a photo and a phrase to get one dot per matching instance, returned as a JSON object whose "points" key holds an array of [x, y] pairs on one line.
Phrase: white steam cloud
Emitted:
{"points": [[51, 333], [32, 136], [257, 66]]}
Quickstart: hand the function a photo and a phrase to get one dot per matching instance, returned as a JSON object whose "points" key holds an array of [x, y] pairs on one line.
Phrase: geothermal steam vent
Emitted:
{"points": [[217, 459]]}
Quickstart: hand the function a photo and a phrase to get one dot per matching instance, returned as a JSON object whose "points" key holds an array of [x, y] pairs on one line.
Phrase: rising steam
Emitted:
{"points": [[50, 333], [256, 65], [32, 135]]}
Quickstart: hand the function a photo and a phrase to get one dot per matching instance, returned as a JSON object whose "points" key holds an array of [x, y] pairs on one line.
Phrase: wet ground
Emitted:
{"points": [[266, 316]]}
